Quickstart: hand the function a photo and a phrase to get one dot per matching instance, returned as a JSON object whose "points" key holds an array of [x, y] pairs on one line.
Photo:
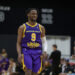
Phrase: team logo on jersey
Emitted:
{"points": [[33, 45]]}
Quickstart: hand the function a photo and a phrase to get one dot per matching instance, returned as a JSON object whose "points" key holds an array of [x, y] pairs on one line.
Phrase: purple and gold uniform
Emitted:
{"points": [[1, 62], [4, 63], [32, 47]]}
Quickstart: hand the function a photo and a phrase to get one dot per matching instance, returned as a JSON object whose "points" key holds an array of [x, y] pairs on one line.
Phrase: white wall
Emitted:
{"points": [[63, 43]]}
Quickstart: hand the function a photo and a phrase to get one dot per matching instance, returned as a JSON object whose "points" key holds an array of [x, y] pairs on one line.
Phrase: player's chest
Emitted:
{"points": [[33, 30]]}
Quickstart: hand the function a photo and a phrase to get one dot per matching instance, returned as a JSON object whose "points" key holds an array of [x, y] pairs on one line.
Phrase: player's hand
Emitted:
{"points": [[41, 56], [20, 58]]}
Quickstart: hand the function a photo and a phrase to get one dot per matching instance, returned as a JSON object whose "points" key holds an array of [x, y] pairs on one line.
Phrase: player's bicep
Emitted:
{"points": [[20, 34], [43, 32]]}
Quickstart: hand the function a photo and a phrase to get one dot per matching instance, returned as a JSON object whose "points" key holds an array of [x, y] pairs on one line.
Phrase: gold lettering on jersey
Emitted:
{"points": [[32, 31], [33, 45]]}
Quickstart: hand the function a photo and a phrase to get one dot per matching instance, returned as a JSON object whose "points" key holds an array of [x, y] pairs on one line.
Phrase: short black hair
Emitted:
{"points": [[30, 9], [55, 46]]}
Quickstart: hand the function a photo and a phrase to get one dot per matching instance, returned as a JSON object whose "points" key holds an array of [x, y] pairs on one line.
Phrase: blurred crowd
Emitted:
{"points": [[66, 67], [9, 67]]}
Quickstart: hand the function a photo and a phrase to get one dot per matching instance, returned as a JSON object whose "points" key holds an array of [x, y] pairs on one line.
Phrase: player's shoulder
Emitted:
{"points": [[42, 27], [21, 27]]}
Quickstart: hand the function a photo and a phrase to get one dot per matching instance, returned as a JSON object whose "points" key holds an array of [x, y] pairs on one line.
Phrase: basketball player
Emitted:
{"points": [[30, 42]]}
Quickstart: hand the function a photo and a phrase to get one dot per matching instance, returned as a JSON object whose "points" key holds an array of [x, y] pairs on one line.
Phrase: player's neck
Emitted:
{"points": [[32, 23]]}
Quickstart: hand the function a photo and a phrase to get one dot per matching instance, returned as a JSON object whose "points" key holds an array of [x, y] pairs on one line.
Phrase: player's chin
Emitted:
{"points": [[34, 20]]}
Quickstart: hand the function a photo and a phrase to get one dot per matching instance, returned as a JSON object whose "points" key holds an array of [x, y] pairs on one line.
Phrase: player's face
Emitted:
{"points": [[33, 15]]}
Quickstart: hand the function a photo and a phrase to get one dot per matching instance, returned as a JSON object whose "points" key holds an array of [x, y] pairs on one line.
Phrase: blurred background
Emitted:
{"points": [[57, 17]]}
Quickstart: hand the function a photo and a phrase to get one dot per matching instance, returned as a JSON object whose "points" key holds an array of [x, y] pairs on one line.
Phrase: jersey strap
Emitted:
{"points": [[24, 30], [40, 28]]}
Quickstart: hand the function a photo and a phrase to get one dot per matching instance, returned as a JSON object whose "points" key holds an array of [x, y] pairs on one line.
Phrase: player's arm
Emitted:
{"points": [[43, 37], [19, 38]]}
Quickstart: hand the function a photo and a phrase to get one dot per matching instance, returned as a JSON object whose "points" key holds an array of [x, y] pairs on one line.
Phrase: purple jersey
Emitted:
{"points": [[4, 64], [1, 61], [32, 47], [32, 37]]}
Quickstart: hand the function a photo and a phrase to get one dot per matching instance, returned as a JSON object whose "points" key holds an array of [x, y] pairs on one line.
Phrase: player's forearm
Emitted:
{"points": [[18, 48]]}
